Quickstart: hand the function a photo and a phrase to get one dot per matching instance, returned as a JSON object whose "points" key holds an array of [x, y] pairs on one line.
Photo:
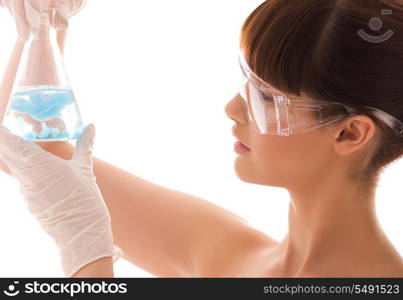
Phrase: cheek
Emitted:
{"points": [[274, 158], [279, 161]]}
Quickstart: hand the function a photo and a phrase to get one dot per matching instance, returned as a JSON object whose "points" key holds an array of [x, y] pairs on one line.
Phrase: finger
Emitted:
{"points": [[23, 158], [13, 164], [4, 167], [17, 9], [15, 146], [7, 169], [9, 142], [83, 150], [32, 14]]}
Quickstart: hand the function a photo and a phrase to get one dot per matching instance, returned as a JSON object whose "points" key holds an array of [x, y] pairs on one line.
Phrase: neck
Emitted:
{"points": [[328, 220]]}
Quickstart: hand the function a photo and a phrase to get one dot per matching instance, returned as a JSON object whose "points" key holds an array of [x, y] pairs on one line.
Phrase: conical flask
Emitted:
{"points": [[42, 105]]}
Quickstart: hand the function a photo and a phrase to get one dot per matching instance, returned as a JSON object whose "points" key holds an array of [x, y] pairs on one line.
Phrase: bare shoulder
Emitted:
{"points": [[239, 252]]}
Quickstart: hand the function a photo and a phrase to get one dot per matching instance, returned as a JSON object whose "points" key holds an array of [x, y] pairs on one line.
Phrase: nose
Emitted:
{"points": [[236, 109]]}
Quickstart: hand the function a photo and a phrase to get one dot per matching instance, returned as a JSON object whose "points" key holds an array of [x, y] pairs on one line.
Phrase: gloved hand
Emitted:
{"points": [[64, 197], [27, 13]]}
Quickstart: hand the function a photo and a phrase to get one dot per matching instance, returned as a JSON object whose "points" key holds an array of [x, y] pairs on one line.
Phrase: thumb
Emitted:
{"points": [[83, 150]]}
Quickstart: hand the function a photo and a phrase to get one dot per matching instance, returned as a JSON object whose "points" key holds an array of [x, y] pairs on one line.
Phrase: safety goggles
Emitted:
{"points": [[271, 112]]}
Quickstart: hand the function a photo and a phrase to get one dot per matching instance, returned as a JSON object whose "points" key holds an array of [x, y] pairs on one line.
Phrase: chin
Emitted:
{"points": [[242, 169], [245, 172]]}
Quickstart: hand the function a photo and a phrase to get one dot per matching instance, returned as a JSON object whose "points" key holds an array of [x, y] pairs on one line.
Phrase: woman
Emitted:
{"points": [[319, 115]]}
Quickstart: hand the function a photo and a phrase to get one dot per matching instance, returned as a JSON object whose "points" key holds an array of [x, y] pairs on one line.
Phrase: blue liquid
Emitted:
{"points": [[47, 114]]}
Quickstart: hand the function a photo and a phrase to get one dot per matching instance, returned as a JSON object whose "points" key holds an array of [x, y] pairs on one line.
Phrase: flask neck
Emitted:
{"points": [[42, 55], [43, 32]]}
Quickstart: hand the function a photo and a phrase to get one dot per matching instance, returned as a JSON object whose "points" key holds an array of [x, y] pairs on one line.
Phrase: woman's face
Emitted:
{"points": [[273, 160]]}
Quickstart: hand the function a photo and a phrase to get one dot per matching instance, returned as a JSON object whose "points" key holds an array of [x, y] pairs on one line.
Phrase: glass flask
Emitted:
{"points": [[42, 105]]}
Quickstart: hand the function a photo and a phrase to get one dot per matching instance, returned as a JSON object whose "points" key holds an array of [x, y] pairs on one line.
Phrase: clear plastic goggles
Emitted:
{"points": [[271, 112]]}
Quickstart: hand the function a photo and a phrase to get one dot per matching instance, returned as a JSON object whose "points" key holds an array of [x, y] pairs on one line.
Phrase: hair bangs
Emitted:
{"points": [[279, 39]]}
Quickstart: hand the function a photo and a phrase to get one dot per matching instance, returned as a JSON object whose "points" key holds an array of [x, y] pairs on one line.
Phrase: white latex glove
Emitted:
{"points": [[27, 13], [64, 197]]}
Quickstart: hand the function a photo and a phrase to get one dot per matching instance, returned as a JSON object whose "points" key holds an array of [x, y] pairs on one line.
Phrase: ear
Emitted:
{"points": [[353, 134]]}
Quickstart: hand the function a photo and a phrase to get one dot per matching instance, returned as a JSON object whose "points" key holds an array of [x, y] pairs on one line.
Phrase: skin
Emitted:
{"points": [[333, 230]]}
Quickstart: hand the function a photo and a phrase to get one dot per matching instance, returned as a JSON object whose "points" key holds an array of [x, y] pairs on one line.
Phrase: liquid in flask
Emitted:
{"points": [[42, 105]]}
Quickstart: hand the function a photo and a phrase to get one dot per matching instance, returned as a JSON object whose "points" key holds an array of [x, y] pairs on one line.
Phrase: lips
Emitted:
{"points": [[240, 148], [243, 145], [239, 140]]}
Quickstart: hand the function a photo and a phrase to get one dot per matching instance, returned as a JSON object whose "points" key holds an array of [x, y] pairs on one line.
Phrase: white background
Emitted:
{"points": [[154, 77]]}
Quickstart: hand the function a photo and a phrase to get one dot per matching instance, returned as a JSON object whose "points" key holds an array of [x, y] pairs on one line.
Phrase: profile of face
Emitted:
{"points": [[295, 160]]}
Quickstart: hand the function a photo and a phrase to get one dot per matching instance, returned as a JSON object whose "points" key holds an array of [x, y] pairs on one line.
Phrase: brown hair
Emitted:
{"points": [[314, 47]]}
